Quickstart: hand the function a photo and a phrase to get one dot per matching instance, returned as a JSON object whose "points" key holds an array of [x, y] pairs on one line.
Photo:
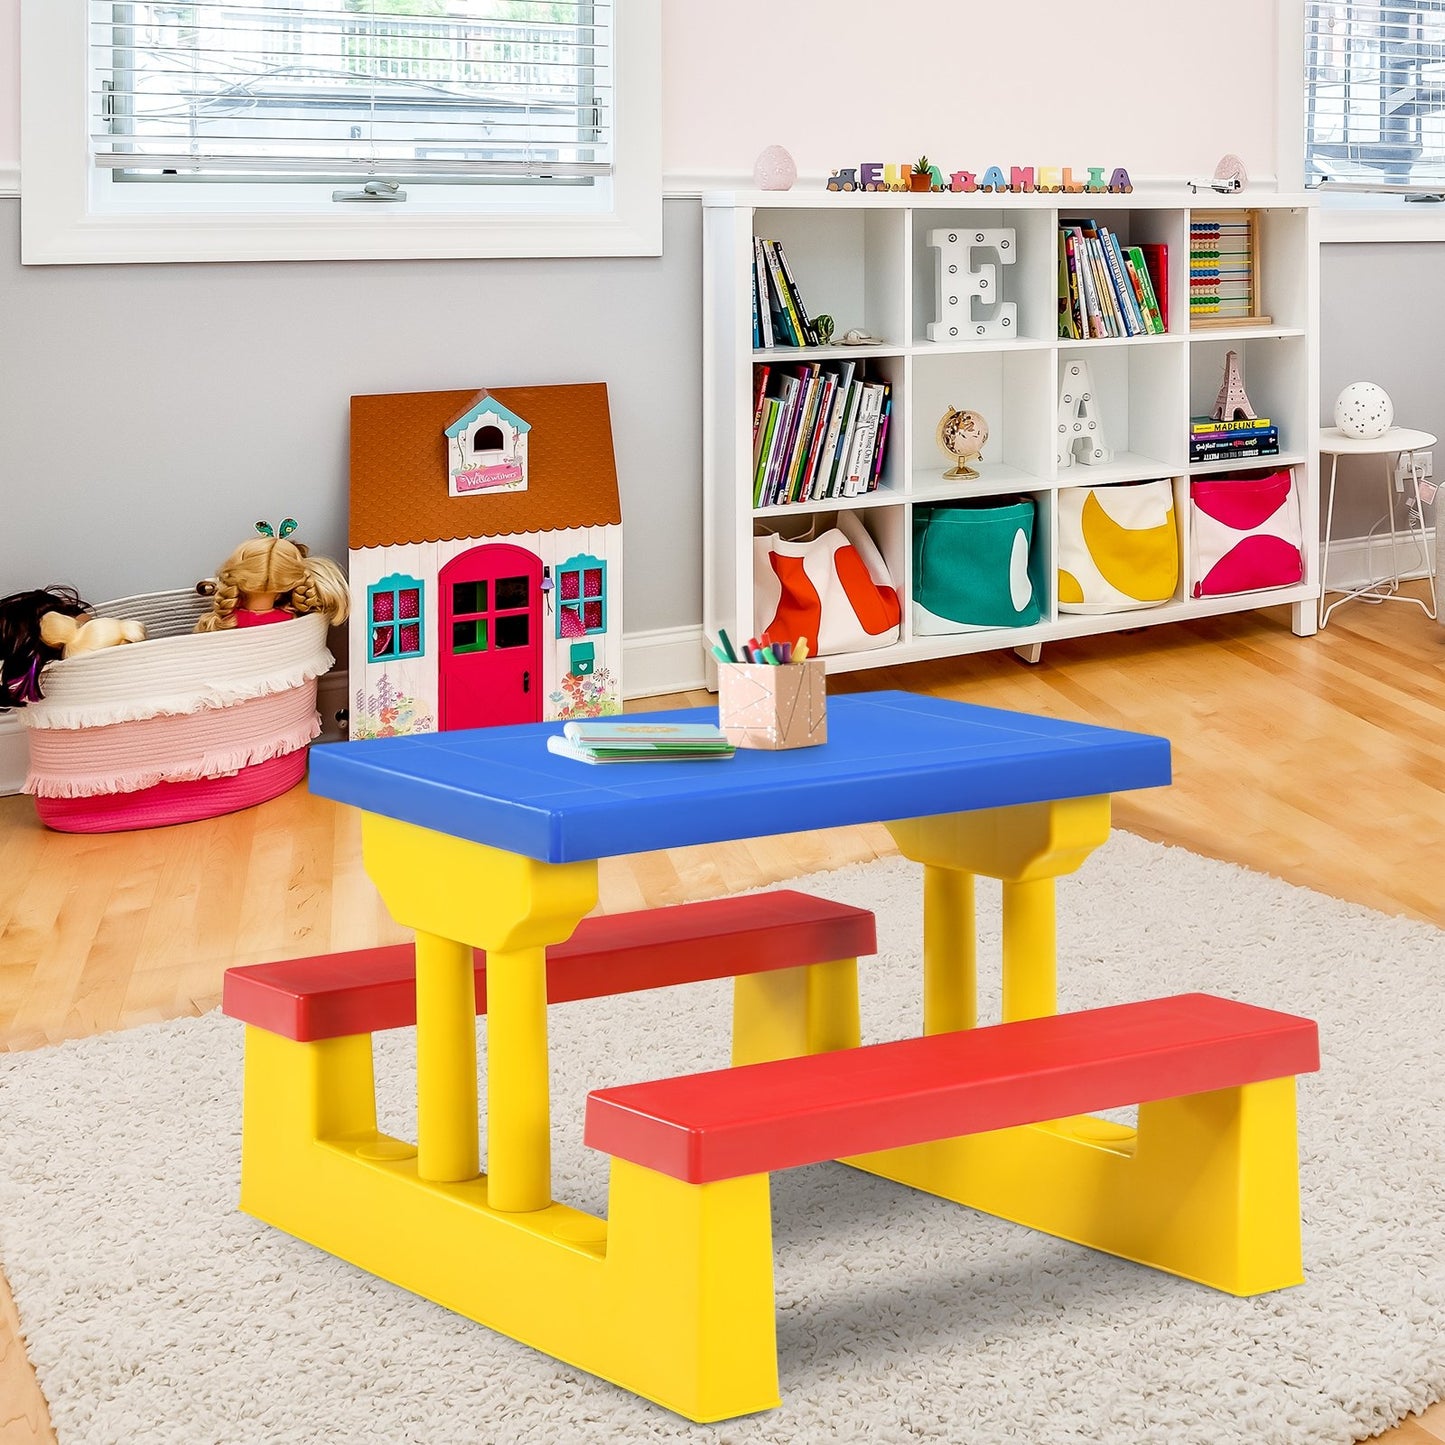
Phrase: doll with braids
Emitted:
{"points": [[270, 579]]}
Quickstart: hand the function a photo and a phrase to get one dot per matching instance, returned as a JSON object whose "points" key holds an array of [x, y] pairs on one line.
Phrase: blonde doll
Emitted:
{"points": [[271, 579]]}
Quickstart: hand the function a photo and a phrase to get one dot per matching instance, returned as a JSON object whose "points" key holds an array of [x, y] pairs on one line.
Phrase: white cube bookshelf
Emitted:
{"points": [[865, 259]]}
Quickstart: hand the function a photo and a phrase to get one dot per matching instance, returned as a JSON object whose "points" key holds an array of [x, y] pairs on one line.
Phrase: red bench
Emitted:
{"points": [[371, 989], [774, 1115]]}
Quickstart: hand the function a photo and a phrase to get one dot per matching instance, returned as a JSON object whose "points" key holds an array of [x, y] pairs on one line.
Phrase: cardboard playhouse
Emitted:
{"points": [[485, 559]]}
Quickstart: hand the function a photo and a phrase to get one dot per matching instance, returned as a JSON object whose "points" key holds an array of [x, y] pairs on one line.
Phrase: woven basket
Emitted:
{"points": [[185, 725]]}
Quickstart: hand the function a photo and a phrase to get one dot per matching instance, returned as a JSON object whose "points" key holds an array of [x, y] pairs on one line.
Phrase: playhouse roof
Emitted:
{"points": [[486, 402], [399, 466]]}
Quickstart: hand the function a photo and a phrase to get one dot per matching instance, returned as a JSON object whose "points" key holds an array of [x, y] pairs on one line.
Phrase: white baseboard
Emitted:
{"points": [[668, 660], [14, 751], [1354, 561]]}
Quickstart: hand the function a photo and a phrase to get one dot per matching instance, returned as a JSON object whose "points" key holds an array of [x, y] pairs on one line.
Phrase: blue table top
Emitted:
{"points": [[888, 755]]}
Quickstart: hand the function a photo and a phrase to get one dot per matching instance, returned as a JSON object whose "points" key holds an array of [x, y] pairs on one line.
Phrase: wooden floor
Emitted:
{"points": [[1315, 759]]}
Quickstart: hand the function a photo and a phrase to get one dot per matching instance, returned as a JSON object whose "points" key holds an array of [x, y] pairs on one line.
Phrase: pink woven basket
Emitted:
{"points": [[166, 803], [182, 726]]}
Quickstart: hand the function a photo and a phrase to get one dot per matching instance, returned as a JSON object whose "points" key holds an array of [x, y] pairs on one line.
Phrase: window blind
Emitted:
{"points": [[1375, 94], [443, 90]]}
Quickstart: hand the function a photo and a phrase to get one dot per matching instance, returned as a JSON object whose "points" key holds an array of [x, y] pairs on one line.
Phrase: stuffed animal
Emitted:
{"points": [[272, 579], [43, 625]]}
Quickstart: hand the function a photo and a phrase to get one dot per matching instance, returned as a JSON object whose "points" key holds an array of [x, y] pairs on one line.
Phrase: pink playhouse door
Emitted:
{"points": [[491, 638]]}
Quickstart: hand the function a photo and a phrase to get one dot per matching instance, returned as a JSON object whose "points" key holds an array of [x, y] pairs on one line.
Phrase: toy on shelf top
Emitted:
{"points": [[272, 579], [1019, 180], [46, 624]]}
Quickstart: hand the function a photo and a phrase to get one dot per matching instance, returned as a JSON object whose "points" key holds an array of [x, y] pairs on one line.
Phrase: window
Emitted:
{"points": [[581, 596], [393, 610], [246, 129], [1375, 95]]}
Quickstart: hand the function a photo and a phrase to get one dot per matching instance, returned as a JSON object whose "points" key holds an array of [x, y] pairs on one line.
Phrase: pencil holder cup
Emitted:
{"points": [[760, 706]]}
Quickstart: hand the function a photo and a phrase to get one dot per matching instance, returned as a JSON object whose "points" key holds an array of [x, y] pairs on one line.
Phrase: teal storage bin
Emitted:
{"points": [[974, 565]]}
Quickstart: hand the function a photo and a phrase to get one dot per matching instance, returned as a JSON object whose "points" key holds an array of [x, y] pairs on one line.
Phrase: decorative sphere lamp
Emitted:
{"points": [[1364, 410], [961, 435]]}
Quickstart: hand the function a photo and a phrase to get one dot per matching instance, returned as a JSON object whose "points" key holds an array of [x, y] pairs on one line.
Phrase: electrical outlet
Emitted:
{"points": [[1424, 466]]}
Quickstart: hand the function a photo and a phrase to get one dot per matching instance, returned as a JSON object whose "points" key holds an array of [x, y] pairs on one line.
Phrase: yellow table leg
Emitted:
{"points": [[446, 1059], [468, 894], [519, 1144], [950, 951], [1026, 846], [1030, 950]]}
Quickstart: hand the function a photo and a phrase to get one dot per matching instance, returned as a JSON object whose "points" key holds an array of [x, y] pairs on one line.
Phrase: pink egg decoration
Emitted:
{"points": [[774, 169]]}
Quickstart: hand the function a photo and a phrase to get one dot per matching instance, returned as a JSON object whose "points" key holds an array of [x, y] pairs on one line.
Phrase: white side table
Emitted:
{"points": [[1398, 440]]}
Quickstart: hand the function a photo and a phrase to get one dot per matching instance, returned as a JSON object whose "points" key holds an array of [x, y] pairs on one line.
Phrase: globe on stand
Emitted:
{"points": [[961, 435]]}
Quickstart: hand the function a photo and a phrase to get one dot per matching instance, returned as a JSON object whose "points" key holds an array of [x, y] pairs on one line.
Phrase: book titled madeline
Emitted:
{"points": [[616, 740]]}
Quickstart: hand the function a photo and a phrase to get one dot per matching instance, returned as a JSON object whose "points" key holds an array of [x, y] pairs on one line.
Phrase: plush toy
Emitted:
{"points": [[270, 579], [43, 625]]}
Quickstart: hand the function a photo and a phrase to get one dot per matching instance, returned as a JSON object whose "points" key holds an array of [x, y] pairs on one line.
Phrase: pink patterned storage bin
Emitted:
{"points": [[185, 725]]}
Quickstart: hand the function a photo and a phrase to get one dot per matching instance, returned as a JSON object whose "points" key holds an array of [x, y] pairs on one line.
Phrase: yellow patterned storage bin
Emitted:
{"points": [[1118, 546]]}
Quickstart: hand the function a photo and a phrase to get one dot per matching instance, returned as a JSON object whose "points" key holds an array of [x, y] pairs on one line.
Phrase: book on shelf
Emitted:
{"points": [[865, 433], [791, 322], [842, 373], [1207, 446], [827, 385], [838, 469], [778, 450], [1130, 316], [882, 442], [1158, 315], [810, 332], [1217, 459], [785, 333], [762, 295], [1093, 325], [1101, 293], [1207, 425], [1226, 450], [1068, 322], [1156, 260]]}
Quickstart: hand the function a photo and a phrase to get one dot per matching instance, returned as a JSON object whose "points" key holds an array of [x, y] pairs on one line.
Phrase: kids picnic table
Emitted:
{"points": [[484, 840]]}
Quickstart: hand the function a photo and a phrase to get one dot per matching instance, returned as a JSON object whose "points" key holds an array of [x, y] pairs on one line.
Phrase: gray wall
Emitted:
{"points": [[150, 414], [1382, 320]]}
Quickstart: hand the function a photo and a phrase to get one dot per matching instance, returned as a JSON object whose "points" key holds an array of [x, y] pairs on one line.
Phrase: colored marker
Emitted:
{"points": [[726, 645]]}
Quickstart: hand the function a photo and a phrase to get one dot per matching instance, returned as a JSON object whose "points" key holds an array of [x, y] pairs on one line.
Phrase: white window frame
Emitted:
{"points": [[1344, 216], [61, 223]]}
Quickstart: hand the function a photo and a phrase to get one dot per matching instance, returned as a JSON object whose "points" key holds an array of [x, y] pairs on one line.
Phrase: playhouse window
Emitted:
{"points": [[469, 621], [487, 439], [394, 612], [581, 597]]}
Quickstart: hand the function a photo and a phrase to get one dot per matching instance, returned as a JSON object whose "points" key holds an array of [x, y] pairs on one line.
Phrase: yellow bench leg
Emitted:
{"points": [[1210, 1189], [671, 1297]]}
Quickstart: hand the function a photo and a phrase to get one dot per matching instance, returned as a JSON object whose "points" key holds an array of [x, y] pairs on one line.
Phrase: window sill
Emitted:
{"points": [[380, 234], [1380, 218]]}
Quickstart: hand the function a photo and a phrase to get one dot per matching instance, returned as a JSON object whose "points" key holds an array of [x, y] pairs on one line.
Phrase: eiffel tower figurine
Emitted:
{"points": [[1233, 401]]}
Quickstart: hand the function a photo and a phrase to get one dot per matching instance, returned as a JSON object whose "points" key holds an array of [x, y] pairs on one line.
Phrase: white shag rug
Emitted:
{"points": [[154, 1311]]}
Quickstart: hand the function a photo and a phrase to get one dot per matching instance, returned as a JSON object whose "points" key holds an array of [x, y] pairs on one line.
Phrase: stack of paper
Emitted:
{"points": [[616, 740]]}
